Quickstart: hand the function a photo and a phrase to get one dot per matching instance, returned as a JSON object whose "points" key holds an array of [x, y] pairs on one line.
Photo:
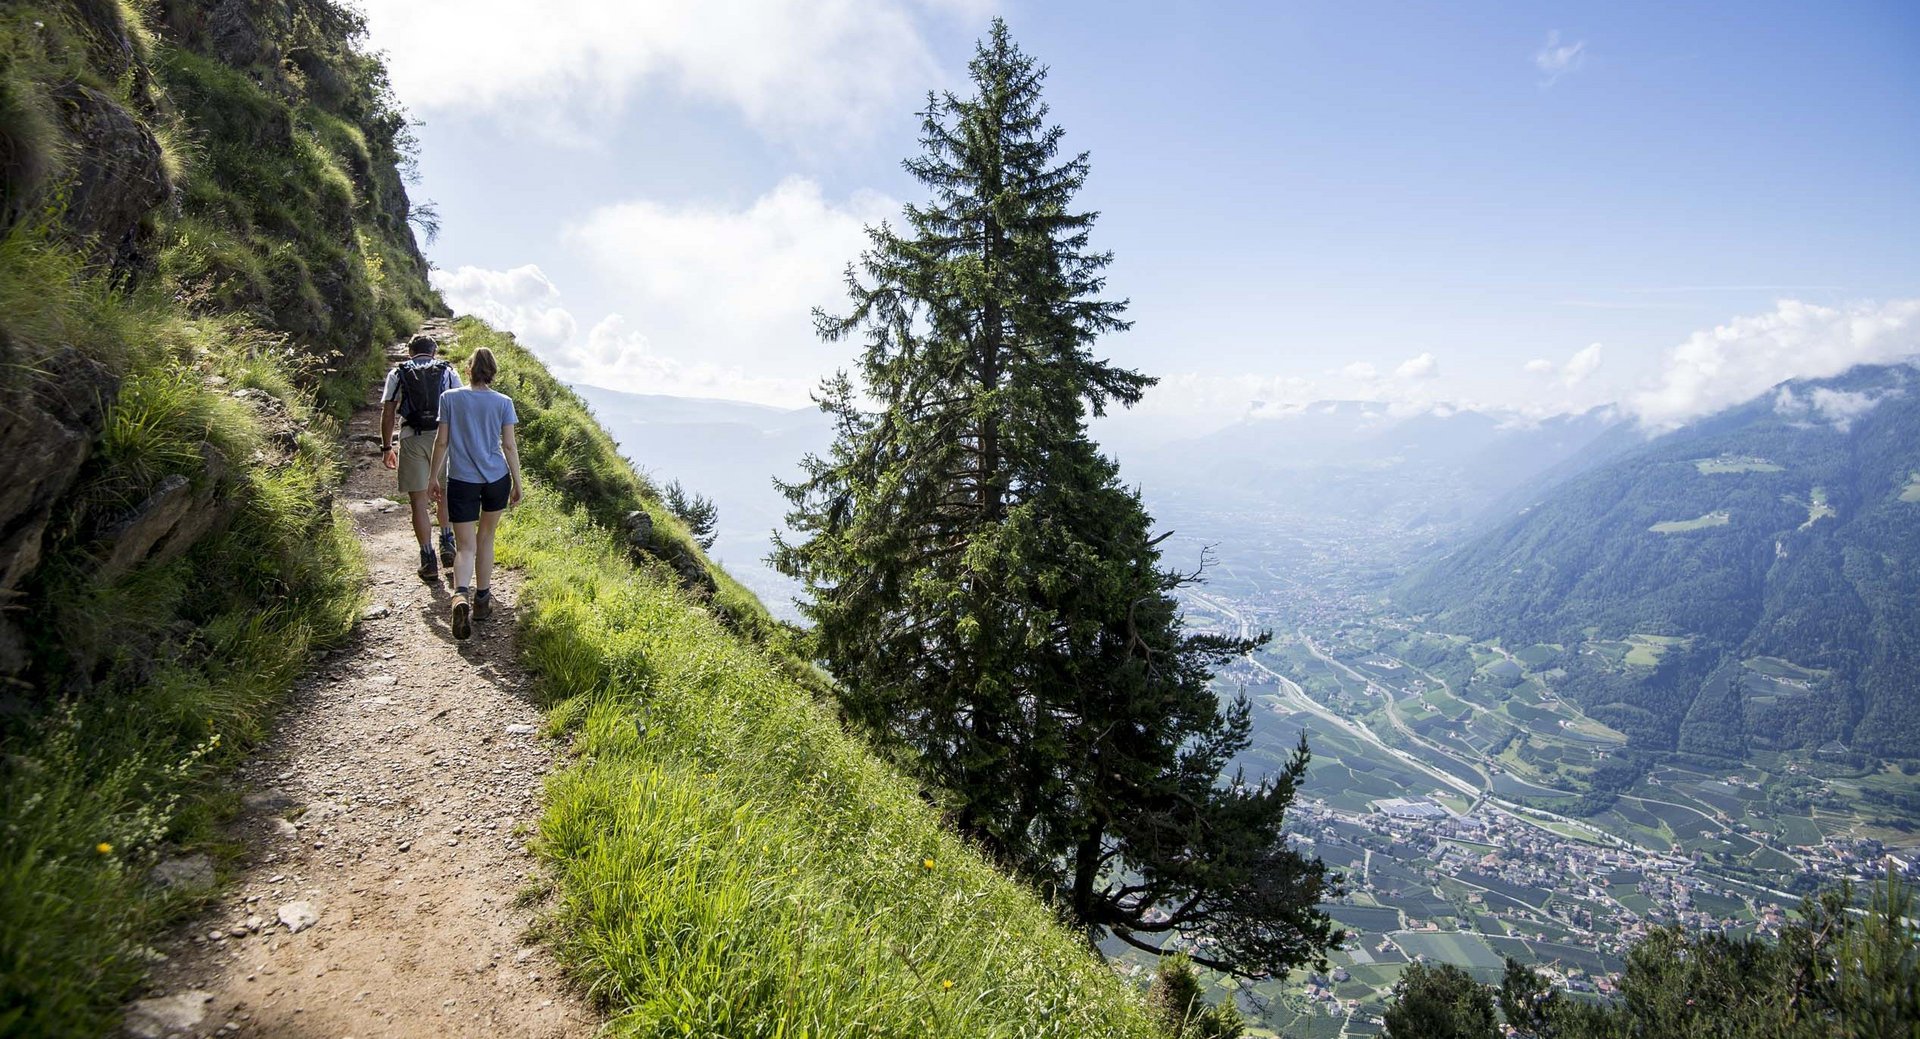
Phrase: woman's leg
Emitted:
{"points": [[464, 537], [483, 575]]}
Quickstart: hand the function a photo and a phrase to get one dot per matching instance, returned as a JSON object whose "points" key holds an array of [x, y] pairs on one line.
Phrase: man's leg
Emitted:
{"points": [[422, 517], [447, 549]]}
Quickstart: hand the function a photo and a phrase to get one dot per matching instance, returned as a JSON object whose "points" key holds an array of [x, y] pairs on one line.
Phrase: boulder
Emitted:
{"points": [[172, 519], [189, 873], [46, 433], [164, 1016], [118, 180]]}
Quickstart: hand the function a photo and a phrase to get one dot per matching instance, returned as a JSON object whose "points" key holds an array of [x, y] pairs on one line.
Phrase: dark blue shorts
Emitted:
{"points": [[465, 501]]}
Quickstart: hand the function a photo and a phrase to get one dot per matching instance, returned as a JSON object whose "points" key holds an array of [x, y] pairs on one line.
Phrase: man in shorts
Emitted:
{"points": [[412, 396]]}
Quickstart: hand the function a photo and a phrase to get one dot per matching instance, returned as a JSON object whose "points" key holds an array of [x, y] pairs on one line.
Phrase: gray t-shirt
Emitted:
{"points": [[473, 419]]}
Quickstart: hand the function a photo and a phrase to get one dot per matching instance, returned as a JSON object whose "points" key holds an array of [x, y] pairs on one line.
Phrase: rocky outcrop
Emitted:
{"points": [[162, 528], [47, 431], [118, 179]]}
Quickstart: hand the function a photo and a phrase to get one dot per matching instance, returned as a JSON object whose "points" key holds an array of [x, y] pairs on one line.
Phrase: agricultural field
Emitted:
{"points": [[1726, 464], [1716, 518]]}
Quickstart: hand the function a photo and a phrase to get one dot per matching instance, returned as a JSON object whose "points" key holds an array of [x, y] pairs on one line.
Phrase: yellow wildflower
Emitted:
{"points": [[946, 984], [103, 848], [928, 863]]}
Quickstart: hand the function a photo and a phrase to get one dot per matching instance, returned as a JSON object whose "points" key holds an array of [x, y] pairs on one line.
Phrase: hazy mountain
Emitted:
{"points": [[1775, 548], [1361, 461], [730, 452]]}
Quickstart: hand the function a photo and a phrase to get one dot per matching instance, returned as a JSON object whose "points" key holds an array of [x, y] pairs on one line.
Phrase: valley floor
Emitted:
{"points": [[392, 808]]}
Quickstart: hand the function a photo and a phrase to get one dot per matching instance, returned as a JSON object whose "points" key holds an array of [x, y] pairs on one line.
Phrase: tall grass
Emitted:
{"points": [[563, 445], [730, 862], [145, 684]]}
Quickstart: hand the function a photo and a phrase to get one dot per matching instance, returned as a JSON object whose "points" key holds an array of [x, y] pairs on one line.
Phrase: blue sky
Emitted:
{"points": [[1413, 203]]}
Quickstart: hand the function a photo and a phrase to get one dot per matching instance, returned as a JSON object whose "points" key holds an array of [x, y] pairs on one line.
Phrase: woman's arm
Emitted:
{"points": [[438, 467], [511, 448]]}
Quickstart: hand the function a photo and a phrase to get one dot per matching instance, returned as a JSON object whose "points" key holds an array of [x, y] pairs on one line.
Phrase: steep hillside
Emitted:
{"points": [[1772, 551], [203, 235], [729, 860]]}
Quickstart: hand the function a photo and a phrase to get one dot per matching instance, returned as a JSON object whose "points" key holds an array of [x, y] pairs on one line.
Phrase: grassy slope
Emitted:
{"points": [[729, 861], [144, 685]]}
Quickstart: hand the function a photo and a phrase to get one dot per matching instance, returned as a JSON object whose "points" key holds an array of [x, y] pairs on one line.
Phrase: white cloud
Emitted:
{"points": [[1361, 371], [520, 300], [1742, 358], [1838, 408], [1421, 367], [789, 67], [1538, 366], [1580, 366], [735, 286], [1555, 59], [715, 301]]}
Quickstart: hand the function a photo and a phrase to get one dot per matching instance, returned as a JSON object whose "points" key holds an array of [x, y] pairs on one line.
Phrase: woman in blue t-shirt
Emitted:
{"points": [[476, 449]]}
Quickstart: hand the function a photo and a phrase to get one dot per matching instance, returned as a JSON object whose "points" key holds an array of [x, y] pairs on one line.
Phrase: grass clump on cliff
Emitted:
{"points": [[731, 862], [179, 355], [147, 678], [562, 445]]}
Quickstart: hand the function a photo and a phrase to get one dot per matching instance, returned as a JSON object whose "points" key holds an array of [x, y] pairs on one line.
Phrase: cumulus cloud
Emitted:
{"points": [[1555, 59], [1421, 367], [1538, 366], [715, 300], [1837, 408], [1742, 358], [1361, 371], [525, 302], [1580, 366], [788, 67], [522, 301]]}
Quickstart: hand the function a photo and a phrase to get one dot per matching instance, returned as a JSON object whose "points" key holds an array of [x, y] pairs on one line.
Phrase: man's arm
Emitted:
{"points": [[388, 454]]}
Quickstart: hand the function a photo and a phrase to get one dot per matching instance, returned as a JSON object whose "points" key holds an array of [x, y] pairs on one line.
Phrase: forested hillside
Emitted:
{"points": [[1773, 551], [203, 235]]}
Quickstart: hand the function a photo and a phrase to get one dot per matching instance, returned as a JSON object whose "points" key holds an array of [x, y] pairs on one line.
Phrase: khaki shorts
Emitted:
{"points": [[416, 457]]}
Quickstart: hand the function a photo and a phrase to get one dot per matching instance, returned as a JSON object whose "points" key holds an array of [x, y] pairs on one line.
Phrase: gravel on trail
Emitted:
{"points": [[383, 832]]}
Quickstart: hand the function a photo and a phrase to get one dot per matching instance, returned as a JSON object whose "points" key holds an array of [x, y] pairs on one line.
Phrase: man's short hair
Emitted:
{"points": [[423, 344]]}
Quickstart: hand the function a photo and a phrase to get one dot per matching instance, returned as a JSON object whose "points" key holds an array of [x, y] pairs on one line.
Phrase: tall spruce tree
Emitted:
{"points": [[987, 592]]}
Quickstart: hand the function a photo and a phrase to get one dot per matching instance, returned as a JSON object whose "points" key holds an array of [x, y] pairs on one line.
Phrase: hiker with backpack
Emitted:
{"points": [[476, 451], [412, 395]]}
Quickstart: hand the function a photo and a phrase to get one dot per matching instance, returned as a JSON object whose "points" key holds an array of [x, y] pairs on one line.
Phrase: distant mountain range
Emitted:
{"points": [[1435, 470], [1766, 559], [730, 452]]}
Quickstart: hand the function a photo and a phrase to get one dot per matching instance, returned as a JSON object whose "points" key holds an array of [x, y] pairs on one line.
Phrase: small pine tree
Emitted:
{"points": [[1440, 1001], [1180, 1006], [697, 511]]}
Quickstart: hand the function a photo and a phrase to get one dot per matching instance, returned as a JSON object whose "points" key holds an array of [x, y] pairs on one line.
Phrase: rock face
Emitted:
{"points": [[118, 180], [177, 514], [46, 433]]}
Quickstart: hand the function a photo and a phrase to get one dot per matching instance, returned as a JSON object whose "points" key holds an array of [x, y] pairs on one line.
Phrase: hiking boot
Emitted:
{"points": [[482, 604], [429, 567], [446, 550], [462, 618]]}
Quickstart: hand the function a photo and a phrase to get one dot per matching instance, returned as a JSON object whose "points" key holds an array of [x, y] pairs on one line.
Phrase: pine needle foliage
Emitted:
{"points": [[989, 594]]}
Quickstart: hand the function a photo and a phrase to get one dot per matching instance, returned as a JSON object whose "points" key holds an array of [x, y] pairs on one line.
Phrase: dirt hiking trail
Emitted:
{"points": [[384, 832]]}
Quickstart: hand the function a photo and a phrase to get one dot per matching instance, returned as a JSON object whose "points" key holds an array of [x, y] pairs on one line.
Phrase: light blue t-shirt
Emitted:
{"points": [[473, 419]]}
